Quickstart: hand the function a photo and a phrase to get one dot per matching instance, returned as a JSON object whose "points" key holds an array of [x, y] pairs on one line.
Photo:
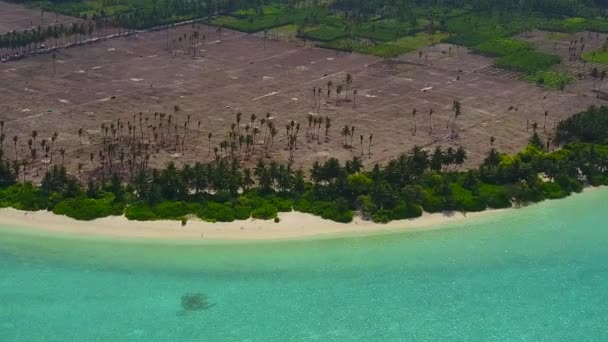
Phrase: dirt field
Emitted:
{"points": [[121, 77], [16, 17]]}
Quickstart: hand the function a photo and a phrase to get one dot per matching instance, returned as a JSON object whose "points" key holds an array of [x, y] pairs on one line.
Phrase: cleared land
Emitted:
{"points": [[239, 73], [16, 17]]}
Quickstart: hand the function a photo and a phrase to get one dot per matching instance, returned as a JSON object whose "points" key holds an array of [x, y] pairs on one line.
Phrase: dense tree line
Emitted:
{"points": [[225, 189]]}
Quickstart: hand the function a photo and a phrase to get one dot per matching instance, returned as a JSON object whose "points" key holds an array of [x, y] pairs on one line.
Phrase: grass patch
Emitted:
{"points": [[549, 79], [399, 46], [530, 62], [324, 33], [386, 30], [499, 47], [557, 36], [596, 56], [271, 17]]}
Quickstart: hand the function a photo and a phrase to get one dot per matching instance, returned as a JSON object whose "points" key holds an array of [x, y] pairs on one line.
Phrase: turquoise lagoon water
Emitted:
{"points": [[535, 274]]}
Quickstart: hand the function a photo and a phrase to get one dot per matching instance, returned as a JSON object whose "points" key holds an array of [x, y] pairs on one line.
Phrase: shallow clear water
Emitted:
{"points": [[535, 274]]}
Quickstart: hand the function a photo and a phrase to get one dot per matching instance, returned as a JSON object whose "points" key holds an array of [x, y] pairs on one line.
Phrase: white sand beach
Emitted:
{"points": [[292, 225]]}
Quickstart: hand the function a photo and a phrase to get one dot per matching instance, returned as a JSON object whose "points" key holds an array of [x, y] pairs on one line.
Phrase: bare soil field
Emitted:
{"points": [[17, 17], [119, 78]]}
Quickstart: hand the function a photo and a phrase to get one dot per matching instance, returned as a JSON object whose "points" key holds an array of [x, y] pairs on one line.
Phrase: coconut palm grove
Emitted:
{"points": [[256, 165]]}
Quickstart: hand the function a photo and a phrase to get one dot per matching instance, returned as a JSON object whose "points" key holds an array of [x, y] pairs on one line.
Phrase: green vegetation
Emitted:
{"points": [[379, 27], [589, 126], [575, 24], [549, 79], [499, 47], [530, 62], [84, 208], [249, 20], [223, 191], [387, 49], [402, 45], [600, 56]]}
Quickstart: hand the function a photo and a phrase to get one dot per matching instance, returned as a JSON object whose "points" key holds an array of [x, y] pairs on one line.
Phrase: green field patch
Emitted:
{"points": [[559, 36], [530, 62], [502, 47], [271, 17], [401, 45], [254, 24], [386, 30], [575, 24], [549, 79], [596, 56], [324, 33]]}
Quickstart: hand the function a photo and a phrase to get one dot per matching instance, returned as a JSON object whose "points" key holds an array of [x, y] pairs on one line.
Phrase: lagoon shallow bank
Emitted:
{"points": [[537, 273]]}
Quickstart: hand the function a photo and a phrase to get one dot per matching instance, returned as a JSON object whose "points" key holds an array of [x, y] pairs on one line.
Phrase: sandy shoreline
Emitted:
{"points": [[293, 225]]}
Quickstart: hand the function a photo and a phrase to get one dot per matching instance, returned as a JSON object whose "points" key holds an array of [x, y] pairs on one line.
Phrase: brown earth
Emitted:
{"points": [[17, 17], [235, 72]]}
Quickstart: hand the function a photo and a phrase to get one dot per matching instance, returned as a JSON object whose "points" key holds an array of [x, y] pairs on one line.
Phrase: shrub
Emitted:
{"points": [[213, 212], [494, 196], [242, 212], [265, 212], [382, 216], [171, 210], [86, 209], [552, 190], [431, 202], [23, 196], [140, 212], [464, 200], [405, 211]]}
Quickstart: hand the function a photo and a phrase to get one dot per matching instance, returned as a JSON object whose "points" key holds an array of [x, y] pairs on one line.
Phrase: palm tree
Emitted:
{"points": [[355, 98], [431, 120], [371, 137], [459, 156], [361, 143], [345, 133], [310, 119], [594, 74], [15, 139], [492, 140], [198, 133], [457, 113], [545, 124], [329, 84], [247, 179], [349, 81], [599, 88], [414, 119], [80, 138], [34, 136], [62, 153], [209, 136], [338, 92]]}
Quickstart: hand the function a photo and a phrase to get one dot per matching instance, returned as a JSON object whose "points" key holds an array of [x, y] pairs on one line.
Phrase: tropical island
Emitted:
{"points": [[380, 110]]}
